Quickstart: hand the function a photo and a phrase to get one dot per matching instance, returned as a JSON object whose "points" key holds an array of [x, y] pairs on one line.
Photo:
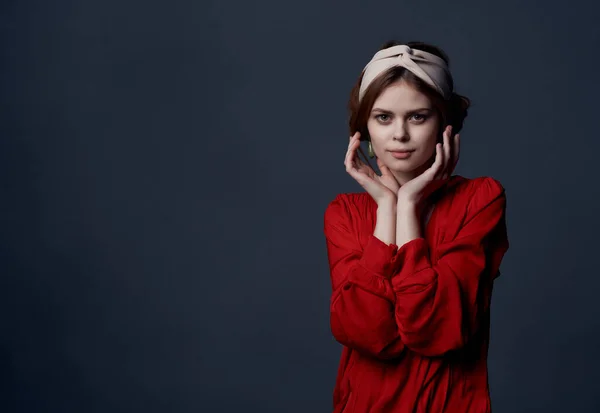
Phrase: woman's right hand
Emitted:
{"points": [[381, 188]]}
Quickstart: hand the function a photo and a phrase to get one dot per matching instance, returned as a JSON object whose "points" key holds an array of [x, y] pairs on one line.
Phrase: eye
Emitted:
{"points": [[378, 117], [420, 117]]}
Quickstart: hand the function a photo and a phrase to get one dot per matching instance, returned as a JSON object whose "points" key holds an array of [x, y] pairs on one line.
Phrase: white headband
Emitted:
{"points": [[428, 67]]}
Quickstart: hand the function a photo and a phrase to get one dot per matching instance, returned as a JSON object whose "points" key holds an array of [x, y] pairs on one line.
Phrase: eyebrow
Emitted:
{"points": [[390, 112]]}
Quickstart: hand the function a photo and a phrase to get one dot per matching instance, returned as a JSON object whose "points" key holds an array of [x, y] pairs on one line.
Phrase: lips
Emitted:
{"points": [[401, 154]]}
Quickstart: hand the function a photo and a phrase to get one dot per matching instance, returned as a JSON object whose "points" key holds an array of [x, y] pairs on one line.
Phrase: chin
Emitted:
{"points": [[402, 169]]}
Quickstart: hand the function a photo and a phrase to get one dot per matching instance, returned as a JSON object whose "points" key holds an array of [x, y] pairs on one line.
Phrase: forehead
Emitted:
{"points": [[401, 96]]}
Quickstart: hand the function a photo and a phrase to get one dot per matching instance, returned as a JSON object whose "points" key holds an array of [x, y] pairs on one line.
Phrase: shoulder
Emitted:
{"points": [[350, 198], [346, 206], [470, 190], [478, 201], [484, 191], [472, 186], [469, 197]]}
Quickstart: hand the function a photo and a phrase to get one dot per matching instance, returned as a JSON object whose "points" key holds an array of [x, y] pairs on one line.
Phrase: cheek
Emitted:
{"points": [[427, 135], [375, 130]]}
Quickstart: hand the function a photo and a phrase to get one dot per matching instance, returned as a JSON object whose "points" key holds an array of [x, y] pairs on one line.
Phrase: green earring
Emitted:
{"points": [[370, 148]]}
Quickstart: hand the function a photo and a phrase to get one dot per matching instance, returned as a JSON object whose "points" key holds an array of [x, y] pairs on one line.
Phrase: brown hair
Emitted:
{"points": [[452, 112]]}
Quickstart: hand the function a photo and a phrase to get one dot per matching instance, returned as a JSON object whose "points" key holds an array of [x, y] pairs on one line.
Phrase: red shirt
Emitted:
{"points": [[414, 321]]}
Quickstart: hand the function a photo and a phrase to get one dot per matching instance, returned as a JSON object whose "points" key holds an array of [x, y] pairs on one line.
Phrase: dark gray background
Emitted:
{"points": [[166, 167]]}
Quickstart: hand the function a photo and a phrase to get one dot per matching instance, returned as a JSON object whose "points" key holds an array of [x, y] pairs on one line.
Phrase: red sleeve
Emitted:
{"points": [[362, 301], [439, 306]]}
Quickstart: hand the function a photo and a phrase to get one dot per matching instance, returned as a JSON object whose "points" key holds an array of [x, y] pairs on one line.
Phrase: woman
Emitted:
{"points": [[413, 258]]}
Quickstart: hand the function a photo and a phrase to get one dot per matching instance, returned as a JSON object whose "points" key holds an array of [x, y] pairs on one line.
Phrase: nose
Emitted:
{"points": [[400, 130]]}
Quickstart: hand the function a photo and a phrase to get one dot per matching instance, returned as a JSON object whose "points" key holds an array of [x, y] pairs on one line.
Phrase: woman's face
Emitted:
{"points": [[403, 118]]}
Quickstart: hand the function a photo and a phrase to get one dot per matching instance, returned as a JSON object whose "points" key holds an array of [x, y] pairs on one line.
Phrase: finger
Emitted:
{"points": [[354, 138], [348, 156], [352, 159], [383, 169], [439, 160], [434, 165], [365, 162], [348, 161], [354, 142], [356, 151], [456, 149], [443, 164], [381, 166], [386, 172], [447, 153], [454, 157]]}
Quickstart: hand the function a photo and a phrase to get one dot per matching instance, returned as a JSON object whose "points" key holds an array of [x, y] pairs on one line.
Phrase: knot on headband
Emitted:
{"points": [[432, 69]]}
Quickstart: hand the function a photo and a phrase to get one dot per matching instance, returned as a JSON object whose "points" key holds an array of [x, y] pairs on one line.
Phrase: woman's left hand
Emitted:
{"points": [[446, 158]]}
